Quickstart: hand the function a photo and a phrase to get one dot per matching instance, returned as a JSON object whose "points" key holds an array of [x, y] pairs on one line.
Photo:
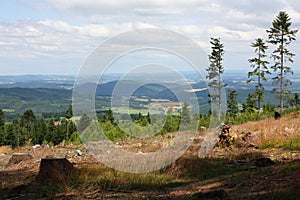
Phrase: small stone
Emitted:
{"points": [[79, 153], [36, 146]]}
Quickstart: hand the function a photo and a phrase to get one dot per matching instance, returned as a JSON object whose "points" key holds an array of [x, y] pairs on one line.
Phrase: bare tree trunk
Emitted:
{"points": [[259, 86], [281, 73]]}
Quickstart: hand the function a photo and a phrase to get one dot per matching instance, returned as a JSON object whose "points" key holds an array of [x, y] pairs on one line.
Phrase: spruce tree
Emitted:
{"points": [[233, 108], [281, 35], [1, 118], [68, 115], [215, 70], [260, 69], [185, 114], [249, 105]]}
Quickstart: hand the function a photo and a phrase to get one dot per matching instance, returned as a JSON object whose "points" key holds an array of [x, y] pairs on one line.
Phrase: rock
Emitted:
{"points": [[215, 194], [36, 146], [263, 162], [79, 153], [18, 157]]}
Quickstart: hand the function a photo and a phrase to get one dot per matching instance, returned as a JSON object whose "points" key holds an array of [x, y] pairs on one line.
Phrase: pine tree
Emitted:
{"points": [[148, 118], [185, 114], [110, 116], [294, 101], [68, 115], [233, 108], [2, 132], [215, 70], [69, 112], [260, 69], [281, 35], [84, 122], [1, 118], [28, 117], [249, 105]]}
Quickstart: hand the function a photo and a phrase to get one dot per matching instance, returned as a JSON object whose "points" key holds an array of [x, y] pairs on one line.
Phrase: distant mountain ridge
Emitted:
{"points": [[47, 93]]}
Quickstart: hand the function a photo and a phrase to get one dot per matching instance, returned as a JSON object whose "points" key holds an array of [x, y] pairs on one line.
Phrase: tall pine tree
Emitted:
{"points": [[215, 70], [260, 69], [185, 114], [68, 115], [233, 108], [281, 35]]}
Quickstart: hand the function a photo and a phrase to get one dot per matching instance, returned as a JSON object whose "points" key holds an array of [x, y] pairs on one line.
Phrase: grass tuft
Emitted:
{"points": [[290, 144]]}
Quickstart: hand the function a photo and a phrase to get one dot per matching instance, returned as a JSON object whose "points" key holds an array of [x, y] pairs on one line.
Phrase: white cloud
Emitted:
{"points": [[79, 26]]}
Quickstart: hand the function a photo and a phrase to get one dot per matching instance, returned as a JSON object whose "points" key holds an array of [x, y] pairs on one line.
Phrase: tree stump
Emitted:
{"points": [[57, 170], [226, 138], [18, 157]]}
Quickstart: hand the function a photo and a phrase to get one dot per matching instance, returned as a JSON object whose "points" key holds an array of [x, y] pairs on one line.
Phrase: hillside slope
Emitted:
{"points": [[263, 164]]}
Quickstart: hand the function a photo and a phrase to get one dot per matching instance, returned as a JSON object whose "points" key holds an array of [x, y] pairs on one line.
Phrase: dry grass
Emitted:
{"points": [[283, 129], [107, 178], [5, 149]]}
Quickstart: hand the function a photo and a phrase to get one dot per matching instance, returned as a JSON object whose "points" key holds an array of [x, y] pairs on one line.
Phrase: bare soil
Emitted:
{"points": [[271, 173]]}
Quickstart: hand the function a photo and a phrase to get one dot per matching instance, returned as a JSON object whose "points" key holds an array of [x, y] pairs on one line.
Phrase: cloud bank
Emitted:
{"points": [[55, 36]]}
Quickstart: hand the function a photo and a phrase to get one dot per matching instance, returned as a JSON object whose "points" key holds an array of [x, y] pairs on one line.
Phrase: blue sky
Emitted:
{"points": [[56, 36]]}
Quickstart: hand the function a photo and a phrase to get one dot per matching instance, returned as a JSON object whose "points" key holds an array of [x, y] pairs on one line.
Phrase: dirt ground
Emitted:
{"points": [[271, 173]]}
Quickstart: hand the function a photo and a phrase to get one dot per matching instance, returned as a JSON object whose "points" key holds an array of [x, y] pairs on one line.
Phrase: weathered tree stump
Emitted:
{"points": [[57, 170], [227, 137], [276, 115], [17, 158]]}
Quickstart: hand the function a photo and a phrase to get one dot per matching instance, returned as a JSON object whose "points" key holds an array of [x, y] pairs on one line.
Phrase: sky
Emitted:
{"points": [[57, 36]]}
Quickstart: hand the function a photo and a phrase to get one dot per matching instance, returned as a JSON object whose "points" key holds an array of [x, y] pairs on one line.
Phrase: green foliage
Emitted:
{"points": [[204, 120], [75, 138], [28, 117], [1, 118], [69, 112], [281, 35], [294, 101], [142, 120], [232, 103], [209, 168], [291, 144], [254, 115], [260, 69], [117, 180], [185, 114], [2, 123], [112, 131], [268, 108], [171, 124], [33, 130], [215, 70], [92, 133], [249, 105], [84, 122]]}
